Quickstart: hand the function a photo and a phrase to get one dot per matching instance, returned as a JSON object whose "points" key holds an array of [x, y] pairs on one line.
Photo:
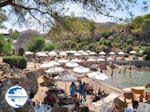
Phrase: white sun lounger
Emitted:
{"points": [[104, 103]]}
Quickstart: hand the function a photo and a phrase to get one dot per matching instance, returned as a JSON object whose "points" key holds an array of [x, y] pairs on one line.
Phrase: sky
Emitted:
{"points": [[78, 11]]}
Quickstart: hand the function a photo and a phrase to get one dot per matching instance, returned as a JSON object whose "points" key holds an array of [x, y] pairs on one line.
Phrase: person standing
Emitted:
{"points": [[84, 91], [73, 89], [133, 108], [124, 70], [81, 90], [130, 70], [112, 70]]}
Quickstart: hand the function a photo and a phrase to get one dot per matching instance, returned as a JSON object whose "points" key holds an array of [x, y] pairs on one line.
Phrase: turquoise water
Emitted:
{"points": [[121, 81]]}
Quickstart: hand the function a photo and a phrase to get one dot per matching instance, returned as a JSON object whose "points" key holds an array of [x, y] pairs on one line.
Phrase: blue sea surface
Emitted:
{"points": [[137, 79]]}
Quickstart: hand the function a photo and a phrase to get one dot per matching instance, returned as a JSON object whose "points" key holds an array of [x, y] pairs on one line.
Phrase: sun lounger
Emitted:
{"points": [[104, 103]]}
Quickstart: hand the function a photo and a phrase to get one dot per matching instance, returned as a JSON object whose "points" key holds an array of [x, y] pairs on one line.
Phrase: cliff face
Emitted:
{"points": [[8, 78]]}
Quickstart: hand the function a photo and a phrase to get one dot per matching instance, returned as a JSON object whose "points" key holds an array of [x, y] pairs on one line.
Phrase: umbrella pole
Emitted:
{"points": [[96, 85], [65, 86]]}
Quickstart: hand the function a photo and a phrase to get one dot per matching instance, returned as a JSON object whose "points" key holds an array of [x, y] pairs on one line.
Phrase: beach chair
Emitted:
{"points": [[120, 104], [128, 96], [138, 94], [84, 109], [147, 91]]}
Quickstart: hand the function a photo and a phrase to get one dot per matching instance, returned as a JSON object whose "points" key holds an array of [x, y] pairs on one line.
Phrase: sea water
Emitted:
{"points": [[137, 79]]}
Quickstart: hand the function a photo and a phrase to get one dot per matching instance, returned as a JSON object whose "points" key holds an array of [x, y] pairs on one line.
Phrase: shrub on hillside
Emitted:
{"points": [[146, 52], [147, 58], [129, 48], [36, 44], [16, 61], [5, 46], [49, 47]]}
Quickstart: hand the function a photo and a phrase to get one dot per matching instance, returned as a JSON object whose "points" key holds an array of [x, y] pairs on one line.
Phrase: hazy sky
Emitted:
{"points": [[78, 11]]}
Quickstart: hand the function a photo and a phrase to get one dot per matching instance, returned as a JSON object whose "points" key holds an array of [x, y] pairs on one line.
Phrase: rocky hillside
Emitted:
{"points": [[80, 33], [8, 78]]}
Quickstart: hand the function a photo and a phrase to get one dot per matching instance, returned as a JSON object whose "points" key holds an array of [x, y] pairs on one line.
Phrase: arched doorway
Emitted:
{"points": [[20, 51]]}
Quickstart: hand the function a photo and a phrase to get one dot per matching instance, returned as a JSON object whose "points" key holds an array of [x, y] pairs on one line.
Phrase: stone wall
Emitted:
{"points": [[8, 78]]}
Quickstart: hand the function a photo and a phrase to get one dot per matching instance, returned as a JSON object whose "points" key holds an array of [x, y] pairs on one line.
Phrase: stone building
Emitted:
{"points": [[21, 43]]}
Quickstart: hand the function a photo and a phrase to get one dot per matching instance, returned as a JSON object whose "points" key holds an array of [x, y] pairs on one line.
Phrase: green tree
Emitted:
{"points": [[92, 31], [146, 30], [36, 44], [2, 18], [25, 9], [5, 46], [146, 52], [14, 34], [1, 43], [49, 47]]}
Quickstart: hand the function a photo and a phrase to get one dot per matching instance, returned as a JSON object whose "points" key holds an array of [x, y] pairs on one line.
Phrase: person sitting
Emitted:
{"points": [[90, 89], [99, 92], [96, 98], [51, 99], [133, 108], [75, 99], [76, 102], [76, 108]]}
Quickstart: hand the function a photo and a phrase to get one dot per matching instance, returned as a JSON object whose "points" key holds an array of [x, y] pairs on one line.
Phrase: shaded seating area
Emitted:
{"points": [[128, 96], [138, 94]]}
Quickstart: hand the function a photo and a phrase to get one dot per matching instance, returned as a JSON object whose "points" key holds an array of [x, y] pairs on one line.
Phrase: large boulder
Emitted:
{"points": [[26, 78]]}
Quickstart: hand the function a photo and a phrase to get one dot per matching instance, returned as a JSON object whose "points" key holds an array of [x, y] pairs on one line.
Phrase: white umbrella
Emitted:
{"points": [[85, 54], [52, 53], [55, 70], [77, 54], [49, 64], [92, 53], [91, 60], [121, 53], [73, 51], [97, 76], [88, 51], [76, 60], [72, 64], [62, 61], [112, 53], [132, 52], [63, 54], [141, 51], [41, 54], [28, 53], [67, 52], [100, 59], [109, 59], [81, 70], [66, 78], [80, 51], [102, 53]]}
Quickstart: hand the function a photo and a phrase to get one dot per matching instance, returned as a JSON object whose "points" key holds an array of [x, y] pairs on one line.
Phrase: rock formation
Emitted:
{"points": [[25, 78]]}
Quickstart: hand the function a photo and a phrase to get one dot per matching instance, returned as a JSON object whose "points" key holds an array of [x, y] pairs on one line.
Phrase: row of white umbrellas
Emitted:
{"points": [[77, 53], [71, 64], [73, 78]]}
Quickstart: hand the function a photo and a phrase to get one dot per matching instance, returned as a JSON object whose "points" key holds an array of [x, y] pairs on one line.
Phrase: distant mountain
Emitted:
{"points": [[105, 24]]}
